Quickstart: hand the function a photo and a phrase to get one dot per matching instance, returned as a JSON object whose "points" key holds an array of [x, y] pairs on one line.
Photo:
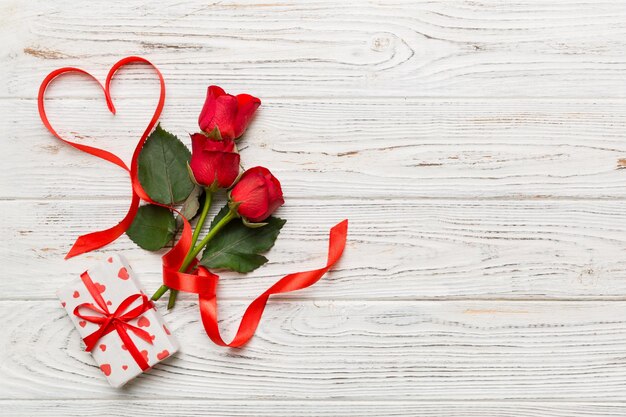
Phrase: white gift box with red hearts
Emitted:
{"points": [[115, 281]]}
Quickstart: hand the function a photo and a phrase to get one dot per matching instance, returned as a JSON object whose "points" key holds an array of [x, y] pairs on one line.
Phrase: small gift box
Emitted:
{"points": [[118, 323]]}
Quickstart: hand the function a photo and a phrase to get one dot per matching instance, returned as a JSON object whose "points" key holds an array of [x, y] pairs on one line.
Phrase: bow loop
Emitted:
{"points": [[89, 306]]}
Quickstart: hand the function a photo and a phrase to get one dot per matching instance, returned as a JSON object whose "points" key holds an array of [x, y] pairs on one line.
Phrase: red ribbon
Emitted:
{"points": [[95, 240], [202, 282], [205, 283], [118, 320]]}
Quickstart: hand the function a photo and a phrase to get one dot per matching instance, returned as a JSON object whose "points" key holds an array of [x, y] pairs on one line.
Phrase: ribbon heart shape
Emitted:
{"points": [[101, 238]]}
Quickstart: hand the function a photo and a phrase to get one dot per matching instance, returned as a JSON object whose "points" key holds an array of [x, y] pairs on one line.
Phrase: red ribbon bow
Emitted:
{"points": [[118, 320], [202, 282]]}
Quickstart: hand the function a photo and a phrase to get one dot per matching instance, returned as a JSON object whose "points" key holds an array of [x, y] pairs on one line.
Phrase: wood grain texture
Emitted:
{"points": [[317, 408], [356, 148], [357, 48], [430, 249], [474, 350]]}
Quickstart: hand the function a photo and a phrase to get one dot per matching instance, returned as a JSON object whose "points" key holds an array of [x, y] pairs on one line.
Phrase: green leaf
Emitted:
{"points": [[191, 206], [152, 227], [162, 169], [237, 247]]}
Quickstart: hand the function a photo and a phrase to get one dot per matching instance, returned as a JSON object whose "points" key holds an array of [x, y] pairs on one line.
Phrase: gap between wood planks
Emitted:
{"points": [[330, 98], [328, 407], [293, 299], [381, 198]]}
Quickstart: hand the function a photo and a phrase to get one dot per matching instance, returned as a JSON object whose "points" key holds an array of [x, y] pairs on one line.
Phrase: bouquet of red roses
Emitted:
{"points": [[179, 187], [171, 175]]}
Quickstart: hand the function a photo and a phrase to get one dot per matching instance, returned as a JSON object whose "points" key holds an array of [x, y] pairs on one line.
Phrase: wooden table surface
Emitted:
{"points": [[476, 147]]}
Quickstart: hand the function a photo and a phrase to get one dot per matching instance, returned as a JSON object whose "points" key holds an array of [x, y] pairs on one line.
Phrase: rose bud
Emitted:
{"points": [[256, 195], [230, 114], [214, 163]]}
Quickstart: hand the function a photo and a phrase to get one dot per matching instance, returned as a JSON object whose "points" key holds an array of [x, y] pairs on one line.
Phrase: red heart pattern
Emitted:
{"points": [[143, 322], [76, 294], [103, 347], [101, 288], [123, 273], [106, 368], [163, 355], [167, 332]]}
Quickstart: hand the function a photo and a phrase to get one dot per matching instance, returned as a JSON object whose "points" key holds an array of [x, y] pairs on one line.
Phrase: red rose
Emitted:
{"points": [[230, 114], [214, 163], [258, 194]]}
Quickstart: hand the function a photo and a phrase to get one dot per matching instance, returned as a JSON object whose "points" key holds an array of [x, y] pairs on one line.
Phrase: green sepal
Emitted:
{"points": [[251, 224]]}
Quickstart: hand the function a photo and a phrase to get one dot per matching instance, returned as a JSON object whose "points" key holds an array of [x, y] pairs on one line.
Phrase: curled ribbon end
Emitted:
{"points": [[73, 252], [341, 226], [80, 246]]}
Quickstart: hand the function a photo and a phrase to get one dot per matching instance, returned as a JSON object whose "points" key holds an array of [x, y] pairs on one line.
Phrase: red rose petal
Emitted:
{"points": [[163, 355], [76, 294], [167, 332], [124, 367], [143, 322], [123, 274], [106, 368], [103, 347], [82, 323]]}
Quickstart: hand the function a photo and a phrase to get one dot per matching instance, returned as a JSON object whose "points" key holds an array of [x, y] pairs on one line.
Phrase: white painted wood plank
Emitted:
{"points": [[123, 407], [323, 48], [433, 249], [340, 148], [439, 351]]}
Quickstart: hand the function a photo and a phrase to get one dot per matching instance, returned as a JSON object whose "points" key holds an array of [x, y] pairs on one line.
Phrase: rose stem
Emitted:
{"points": [[192, 254], [208, 199]]}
